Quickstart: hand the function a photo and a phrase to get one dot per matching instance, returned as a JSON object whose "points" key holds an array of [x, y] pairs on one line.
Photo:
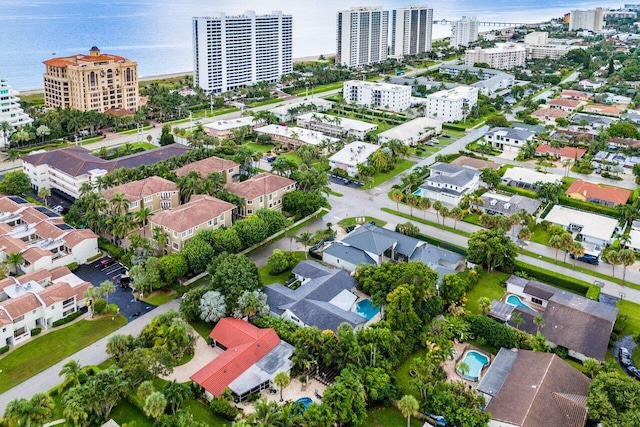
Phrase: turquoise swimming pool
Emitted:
{"points": [[516, 301], [476, 361], [365, 309], [306, 401]]}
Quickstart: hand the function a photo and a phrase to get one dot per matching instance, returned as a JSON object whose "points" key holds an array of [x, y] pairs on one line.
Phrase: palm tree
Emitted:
{"points": [[306, 239], [577, 250], [119, 204], [457, 214], [463, 368], [42, 131], [627, 257], [43, 193], [14, 260], [6, 129], [92, 293], [397, 197], [539, 322], [106, 288], [12, 155], [409, 406], [282, 380], [72, 370], [517, 319], [555, 242], [141, 218], [425, 204], [23, 412], [437, 206], [412, 200], [266, 414], [484, 305], [614, 258]]}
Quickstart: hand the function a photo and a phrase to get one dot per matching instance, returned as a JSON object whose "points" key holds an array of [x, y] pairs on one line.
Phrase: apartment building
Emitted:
{"points": [[183, 222], [411, 29], [351, 156], [490, 82], [504, 56], [36, 300], [453, 104], [98, 82], [223, 129], [262, 191], [10, 110], [385, 96], [232, 52], [412, 132], [154, 193], [296, 136], [228, 168], [592, 19], [340, 127], [41, 236], [291, 111], [464, 32], [361, 36]]}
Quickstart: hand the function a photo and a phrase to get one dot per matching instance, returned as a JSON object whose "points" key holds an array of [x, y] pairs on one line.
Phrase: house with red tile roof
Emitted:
{"points": [[602, 194], [607, 110], [562, 153], [251, 359], [549, 115], [576, 95], [36, 300], [262, 191], [567, 105]]}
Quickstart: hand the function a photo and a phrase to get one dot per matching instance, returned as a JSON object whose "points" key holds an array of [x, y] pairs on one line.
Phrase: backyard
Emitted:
{"points": [[489, 285], [379, 178]]}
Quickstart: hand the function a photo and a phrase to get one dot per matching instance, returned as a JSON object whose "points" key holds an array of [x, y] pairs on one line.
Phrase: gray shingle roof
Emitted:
{"points": [[515, 204], [599, 120], [310, 270], [374, 239], [513, 133], [349, 254]]}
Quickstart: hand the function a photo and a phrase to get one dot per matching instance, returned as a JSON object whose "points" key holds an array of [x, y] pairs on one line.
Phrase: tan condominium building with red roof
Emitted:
{"points": [[36, 300], [154, 193], [263, 191], [228, 168], [98, 82], [41, 237], [181, 223]]}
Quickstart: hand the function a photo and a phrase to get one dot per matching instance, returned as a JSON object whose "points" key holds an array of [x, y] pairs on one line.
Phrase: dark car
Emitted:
{"points": [[589, 259], [106, 262], [634, 371], [625, 357], [444, 135]]}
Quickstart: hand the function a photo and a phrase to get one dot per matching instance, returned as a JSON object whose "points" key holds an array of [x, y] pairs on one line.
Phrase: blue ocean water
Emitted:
{"points": [[157, 33]]}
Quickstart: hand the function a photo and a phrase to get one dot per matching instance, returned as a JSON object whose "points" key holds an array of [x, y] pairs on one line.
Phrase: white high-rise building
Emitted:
{"points": [[10, 110], [362, 36], [464, 32], [504, 56], [592, 20], [231, 52], [411, 29], [453, 104]]}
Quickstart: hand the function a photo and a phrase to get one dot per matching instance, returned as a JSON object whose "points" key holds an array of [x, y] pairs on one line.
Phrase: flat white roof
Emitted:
{"points": [[455, 93], [230, 124], [598, 226], [305, 135], [354, 153], [318, 102], [529, 176], [412, 129], [345, 123], [379, 85]]}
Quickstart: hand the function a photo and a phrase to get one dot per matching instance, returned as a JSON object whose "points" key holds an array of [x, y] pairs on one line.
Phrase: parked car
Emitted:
{"points": [[589, 259], [625, 357], [634, 371], [58, 209], [106, 262], [444, 135]]}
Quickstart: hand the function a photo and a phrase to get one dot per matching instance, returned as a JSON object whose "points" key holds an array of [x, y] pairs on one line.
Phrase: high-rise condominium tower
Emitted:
{"points": [[411, 29], [362, 36], [464, 32]]}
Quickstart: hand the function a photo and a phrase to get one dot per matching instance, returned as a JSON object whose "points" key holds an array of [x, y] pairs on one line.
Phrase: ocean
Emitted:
{"points": [[157, 33]]}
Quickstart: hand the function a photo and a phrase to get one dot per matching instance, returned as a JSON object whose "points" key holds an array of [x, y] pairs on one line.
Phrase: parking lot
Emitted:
{"points": [[347, 182], [123, 297]]}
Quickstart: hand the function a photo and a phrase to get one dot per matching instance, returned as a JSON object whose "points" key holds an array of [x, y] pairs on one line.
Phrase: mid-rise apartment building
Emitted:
{"points": [[453, 104], [504, 56], [464, 32], [153, 193], [538, 46], [98, 82], [232, 52], [229, 169], [361, 36], [592, 19], [385, 96], [262, 191], [411, 29], [10, 110]]}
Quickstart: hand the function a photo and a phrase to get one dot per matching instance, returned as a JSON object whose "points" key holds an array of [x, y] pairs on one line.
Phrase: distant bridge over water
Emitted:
{"points": [[487, 23]]}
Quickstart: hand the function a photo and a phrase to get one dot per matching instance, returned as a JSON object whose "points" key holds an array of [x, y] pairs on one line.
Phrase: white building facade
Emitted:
{"points": [[413, 132], [231, 52], [411, 29], [351, 156], [453, 104], [464, 32], [504, 56], [384, 96], [592, 20], [361, 36], [10, 110]]}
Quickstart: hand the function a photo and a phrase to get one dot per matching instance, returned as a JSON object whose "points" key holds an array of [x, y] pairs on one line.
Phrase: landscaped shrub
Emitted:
{"points": [[113, 308], [111, 248], [495, 333], [99, 305], [594, 293], [284, 328], [36, 331], [4, 349], [587, 206], [561, 352], [73, 266], [555, 279], [69, 318], [224, 409]]}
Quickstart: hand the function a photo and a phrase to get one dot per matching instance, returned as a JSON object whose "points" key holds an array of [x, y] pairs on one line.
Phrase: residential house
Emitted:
{"points": [[595, 230], [224, 129], [65, 170], [566, 105], [560, 153], [325, 298], [471, 162], [524, 388], [36, 300], [370, 244], [604, 195], [500, 204], [384, 96], [449, 183], [250, 360], [296, 136], [592, 121], [339, 127], [351, 156], [634, 236], [576, 95], [548, 116], [262, 191], [607, 110], [41, 236], [412, 132], [183, 222], [527, 178], [616, 162], [228, 168], [590, 84], [491, 81], [154, 193], [632, 115], [508, 139]]}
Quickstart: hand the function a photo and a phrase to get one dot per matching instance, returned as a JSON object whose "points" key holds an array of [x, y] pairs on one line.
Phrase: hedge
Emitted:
{"points": [[4, 349], [587, 206], [444, 245], [516, 190], [454, 127], [36, 331], [594, 293], [73, 266], [69, 318], [496, 334], [557, 280], [111, 248]]}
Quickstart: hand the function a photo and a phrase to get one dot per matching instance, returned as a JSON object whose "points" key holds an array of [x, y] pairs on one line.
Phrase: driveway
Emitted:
{"points": [[628, 343], [123, 297]]}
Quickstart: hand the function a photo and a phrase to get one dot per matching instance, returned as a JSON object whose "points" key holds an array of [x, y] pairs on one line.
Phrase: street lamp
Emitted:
{"points": [[211, 102]]}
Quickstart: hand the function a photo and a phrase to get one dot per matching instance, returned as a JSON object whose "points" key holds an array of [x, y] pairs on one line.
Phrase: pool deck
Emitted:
{"points": [[291, 393], [449, 365], [527, 303], [362, 296]]}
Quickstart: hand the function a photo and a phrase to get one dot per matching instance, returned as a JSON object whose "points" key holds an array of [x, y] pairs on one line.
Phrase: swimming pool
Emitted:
{"points": [[516, 301], [365, 309], [476, 361], [306, 401]]}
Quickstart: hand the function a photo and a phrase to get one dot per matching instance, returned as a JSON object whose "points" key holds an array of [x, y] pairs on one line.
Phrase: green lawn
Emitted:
{"points": [[144, 145], [268, 279], [488, 286], [379, 178], [540, 235], [318, 89], [203, 413], [471, 219], [388, 417], [418, 217], [348, 222], [134, 131], [202, 328], [47, 350], [125, 412], [402, 373], [265, 102], [160, 298], [261, 148], [632, 311]]}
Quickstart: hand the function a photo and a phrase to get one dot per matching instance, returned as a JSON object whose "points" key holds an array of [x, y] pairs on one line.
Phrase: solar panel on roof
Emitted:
{"points": [[47, 212], [18, 200], [64, 226]]}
